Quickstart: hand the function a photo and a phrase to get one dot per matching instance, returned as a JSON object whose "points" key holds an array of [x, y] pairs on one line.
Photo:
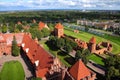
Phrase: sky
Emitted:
{"points": [[6, 5]]}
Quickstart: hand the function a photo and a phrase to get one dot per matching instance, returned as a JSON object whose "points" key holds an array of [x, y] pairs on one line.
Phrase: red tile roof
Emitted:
{"points": [[79, 71], [93, 40], [59, 26], [41, 25], [36, 52]]}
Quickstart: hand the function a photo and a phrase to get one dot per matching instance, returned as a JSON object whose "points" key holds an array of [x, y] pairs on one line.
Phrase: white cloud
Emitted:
{"points": [[89, 5], [76, 4]]}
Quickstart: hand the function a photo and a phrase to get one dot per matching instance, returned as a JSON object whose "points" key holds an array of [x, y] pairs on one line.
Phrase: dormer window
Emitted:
{"points": [[27, 49], [23, 44], [37, 62]]}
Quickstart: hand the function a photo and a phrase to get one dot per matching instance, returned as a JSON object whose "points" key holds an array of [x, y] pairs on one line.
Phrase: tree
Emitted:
{"points": [[36, 33], [4, 29], [15, 48], [110, 61], [60, 43], [45, 32], [68, 48], [112, 65], [82, 54], [19, 27], [112, 73], [78, 55], [73, 44]]}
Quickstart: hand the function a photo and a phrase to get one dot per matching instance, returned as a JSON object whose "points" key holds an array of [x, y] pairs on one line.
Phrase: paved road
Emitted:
{"points": [[96, 68], [4, 59]]}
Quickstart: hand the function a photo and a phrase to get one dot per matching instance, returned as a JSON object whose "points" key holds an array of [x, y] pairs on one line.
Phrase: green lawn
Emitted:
{"points": [[87, 36], [12, 70], [96, 59]]}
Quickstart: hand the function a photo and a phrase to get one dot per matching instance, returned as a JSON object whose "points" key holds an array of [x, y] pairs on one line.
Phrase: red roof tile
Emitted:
{"points": [[41, 72], [93, 40], [41, 25], [36, 52], [79, 71], [59, 26]]}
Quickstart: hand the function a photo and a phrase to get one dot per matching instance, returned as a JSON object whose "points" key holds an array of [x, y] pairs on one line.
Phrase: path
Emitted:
{"points": [[4, 59], [96, 68]]}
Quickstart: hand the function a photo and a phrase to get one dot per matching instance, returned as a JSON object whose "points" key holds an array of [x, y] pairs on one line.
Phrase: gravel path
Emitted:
{"points": [[4, 59]]}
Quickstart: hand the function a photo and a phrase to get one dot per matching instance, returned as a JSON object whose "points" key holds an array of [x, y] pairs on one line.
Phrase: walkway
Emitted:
{"points": [[96, 68], [4, 59]]}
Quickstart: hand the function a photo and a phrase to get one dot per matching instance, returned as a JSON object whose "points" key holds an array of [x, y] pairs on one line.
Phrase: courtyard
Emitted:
{"points": [[7, 67], [12, 70]]}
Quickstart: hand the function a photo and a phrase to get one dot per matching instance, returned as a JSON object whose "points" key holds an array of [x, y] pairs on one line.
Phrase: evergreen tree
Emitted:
{"points": [[82, 54], [15, 48], [60, 43]]}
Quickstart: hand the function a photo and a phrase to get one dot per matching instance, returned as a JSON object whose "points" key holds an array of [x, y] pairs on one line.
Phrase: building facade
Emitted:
{"points": [[59, 30]]}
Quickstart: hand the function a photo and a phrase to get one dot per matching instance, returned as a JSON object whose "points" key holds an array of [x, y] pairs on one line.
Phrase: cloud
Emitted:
{"points": [[60, 4]]}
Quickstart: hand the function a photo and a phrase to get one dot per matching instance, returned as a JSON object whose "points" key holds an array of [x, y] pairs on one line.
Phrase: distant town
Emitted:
{"points": [[60, 45]]}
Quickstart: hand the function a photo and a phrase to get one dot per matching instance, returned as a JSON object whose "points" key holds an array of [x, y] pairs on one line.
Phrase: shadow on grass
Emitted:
{"points": [[51, 47], [61, 53], [70, 60], [100, 77]]}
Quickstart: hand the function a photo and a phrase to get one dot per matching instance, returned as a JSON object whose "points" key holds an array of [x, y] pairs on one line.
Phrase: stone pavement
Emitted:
{"points": [[28, 73]]}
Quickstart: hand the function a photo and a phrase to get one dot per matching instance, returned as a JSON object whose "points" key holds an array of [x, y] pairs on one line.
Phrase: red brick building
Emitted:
{"points": [[59, 30], [99, 48], [37, 55], [6, 42], [42, 25], [44, 65]]}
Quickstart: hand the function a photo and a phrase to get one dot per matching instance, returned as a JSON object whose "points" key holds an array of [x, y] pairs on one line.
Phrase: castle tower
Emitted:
{"points": [[59, 32], [92, 45], [80, 72]]}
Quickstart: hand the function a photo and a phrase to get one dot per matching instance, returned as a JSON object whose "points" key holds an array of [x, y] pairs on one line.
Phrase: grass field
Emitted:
{"points": [[96, 59], [12, 70], [87, 36]]}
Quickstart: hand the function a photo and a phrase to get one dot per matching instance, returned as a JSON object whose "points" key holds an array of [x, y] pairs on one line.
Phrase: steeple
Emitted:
{"points": [[93, 40]]}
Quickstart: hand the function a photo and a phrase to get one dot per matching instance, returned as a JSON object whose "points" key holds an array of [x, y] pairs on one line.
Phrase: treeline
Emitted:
{"points": [[56, 16]]}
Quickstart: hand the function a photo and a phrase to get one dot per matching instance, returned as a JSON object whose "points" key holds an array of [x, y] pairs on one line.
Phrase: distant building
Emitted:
{"points": [[19, 23], [42, 25], [99, 48], [100, 25], [34, 21], [59, 30]]}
